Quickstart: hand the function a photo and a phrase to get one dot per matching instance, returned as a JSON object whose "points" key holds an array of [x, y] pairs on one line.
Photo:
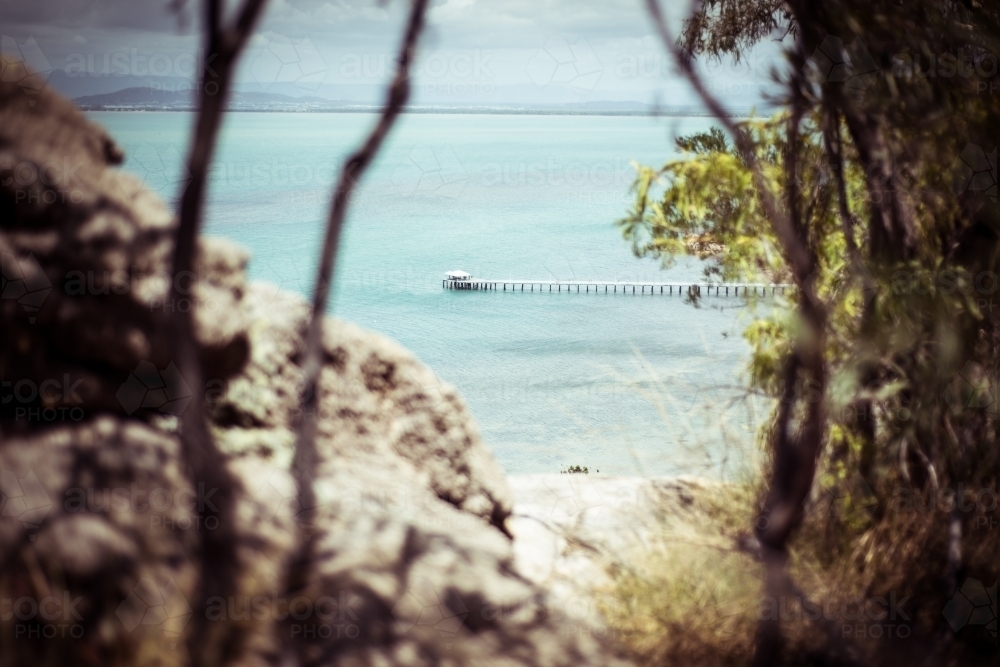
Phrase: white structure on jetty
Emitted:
{"points": [[457, 275]]}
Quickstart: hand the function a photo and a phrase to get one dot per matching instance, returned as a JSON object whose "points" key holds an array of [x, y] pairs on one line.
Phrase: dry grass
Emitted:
{"points": [[698, 608], [698, 601], [692, 599]]}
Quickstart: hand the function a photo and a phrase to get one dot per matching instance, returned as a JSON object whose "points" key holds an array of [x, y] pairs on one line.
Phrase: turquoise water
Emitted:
{"points": [[617, 383]]}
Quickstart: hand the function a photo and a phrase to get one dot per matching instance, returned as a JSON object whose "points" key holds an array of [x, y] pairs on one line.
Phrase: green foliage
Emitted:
{"points": [[875, 175], [905, 318], [728, 27], [709, 193]]}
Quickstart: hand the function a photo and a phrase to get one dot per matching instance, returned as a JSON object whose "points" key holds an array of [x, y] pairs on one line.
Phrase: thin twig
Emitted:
{"points": [[207, 644], [305, 459], [795, 455], [891, 224], [809, 349], [795, 251], [834, 155]]}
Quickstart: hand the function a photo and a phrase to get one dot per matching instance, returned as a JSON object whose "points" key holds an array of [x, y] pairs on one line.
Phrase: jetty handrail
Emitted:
{"points": [[691, 288], [617, 282]]}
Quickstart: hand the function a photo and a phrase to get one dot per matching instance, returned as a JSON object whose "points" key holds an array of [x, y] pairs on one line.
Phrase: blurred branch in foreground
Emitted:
{"points": [[305, 460], [207, 643]]}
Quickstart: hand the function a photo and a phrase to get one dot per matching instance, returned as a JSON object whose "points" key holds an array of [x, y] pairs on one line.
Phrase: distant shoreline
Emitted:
{"points": [[451, 111], [149, 99]]}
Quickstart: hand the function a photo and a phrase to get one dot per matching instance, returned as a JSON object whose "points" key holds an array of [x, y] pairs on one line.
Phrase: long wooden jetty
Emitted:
{"points": [[618, 287]]}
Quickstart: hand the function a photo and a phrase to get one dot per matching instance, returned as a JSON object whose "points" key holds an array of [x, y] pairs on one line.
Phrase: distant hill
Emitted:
{"points": [[154, 99]]}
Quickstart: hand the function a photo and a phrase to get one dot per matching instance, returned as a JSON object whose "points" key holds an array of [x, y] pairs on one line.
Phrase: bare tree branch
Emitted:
{"points": [[353, 169], [795, 454], [207, 642], [213, 17], [833, 145], [796, 253], [891, 227], [808, 354]]}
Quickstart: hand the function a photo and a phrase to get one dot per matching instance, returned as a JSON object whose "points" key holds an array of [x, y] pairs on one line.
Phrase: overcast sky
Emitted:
{"points": [[475, 51]]}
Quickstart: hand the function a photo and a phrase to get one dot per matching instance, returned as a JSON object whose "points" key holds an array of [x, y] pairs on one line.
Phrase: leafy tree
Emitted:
{"points": [[874, 191]]}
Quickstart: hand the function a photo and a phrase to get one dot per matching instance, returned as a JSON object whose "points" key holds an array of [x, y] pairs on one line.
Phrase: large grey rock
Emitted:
{"points": [[427, 585], [85, 261], [412, 562], [410, 507], [95, 515], [376, 402]]}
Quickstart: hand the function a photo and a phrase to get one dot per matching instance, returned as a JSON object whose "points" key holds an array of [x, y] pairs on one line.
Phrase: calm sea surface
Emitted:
{"points": [[626, 385]]}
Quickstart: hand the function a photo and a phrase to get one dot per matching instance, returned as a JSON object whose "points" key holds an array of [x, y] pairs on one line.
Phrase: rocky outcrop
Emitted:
{"points": [[85, 250], [95, 529], [100, 523], [377, 404]]}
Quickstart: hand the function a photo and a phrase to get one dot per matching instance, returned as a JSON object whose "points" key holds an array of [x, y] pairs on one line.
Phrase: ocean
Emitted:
{"points": [[621, 384]]}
